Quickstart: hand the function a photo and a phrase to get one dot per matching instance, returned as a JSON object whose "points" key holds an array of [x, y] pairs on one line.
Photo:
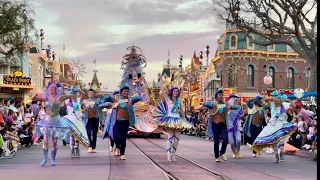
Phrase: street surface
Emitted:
{"points": [[152, 163]]}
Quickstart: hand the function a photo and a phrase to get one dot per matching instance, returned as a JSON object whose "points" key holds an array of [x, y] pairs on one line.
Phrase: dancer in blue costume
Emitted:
{"points": [[255, 120], [170, 116], [218, 123], [118, 122], [277, 128], [234, 126], [109, 112], [52, 126], [92, 116], [78, 128]]}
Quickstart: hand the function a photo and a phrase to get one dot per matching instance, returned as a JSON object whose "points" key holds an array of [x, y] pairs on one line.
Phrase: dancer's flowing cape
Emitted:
{"points": [[111, 116]]}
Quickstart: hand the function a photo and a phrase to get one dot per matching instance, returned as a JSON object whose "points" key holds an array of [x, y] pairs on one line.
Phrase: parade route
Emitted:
{"points": [[137, 166]]}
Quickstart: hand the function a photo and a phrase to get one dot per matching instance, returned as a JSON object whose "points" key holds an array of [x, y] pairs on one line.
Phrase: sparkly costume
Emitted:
{"points": [[78, 128], [255, 120], [276, 130], [52, 126], [234, 127], [168, 115]]}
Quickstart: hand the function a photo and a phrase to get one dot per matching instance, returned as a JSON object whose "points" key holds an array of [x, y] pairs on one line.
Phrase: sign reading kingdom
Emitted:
{"points": [[17, 80]]}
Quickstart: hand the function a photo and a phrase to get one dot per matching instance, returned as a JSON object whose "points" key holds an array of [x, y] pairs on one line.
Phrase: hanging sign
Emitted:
{"points": [[16, 80]]}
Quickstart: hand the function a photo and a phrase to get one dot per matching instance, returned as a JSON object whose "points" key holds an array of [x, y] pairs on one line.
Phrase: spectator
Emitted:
{"points": [[3, 108], [35, 109], [302, 128], [28, 116], [24, 136]]}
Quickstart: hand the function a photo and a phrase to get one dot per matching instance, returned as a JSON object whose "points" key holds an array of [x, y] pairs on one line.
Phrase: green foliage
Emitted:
{"points": [[17, 30]]}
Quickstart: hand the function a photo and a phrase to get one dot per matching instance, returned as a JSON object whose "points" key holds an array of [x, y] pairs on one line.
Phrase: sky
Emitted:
{"points": [[103, 29]]}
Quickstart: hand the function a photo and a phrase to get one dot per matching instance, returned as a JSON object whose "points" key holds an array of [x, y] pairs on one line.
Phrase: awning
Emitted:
{"points": [[17, 86]]}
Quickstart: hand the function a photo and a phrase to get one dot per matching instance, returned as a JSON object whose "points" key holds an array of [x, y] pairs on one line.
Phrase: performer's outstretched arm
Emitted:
{"points": [[38, 97], [164, 94], [209, 105]]}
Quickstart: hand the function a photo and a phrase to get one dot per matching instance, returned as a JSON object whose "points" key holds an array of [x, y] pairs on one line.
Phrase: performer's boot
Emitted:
{"points": [[281, 156], [111, 149], [53, 156], [169, 156], [45, 157], [239, 155], [276, 159], [175, 147], [73, 154], [122, 157], [77, 152]]}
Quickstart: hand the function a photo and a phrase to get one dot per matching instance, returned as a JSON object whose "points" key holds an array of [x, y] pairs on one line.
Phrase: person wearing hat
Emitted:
{"points": [[78, 132], [218, 123], [234, 126], [277, 128], [255, 120], [122, 116], [93, 115]]}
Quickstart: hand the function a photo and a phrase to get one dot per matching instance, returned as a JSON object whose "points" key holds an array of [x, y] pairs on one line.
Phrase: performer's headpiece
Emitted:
{"points": [[257, 99], [124, 87], [171, 91], [279, 95], [73, 89], [59, 90], [232, 97], [220, 90], [115, 92]]}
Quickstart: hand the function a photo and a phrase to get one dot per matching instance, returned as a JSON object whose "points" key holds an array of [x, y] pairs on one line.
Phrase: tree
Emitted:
{"points": [[276, 21], [17, 30]]}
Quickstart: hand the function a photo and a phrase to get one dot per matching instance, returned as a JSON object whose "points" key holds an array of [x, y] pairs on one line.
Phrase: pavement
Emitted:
{"points": [[103, 165]]}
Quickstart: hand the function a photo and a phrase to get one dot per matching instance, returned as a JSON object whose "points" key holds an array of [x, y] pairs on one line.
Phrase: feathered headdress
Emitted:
{"points": [[59, 90], [279, 95]]}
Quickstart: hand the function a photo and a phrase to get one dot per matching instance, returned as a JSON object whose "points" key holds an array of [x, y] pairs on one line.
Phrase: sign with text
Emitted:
{"points": [[16, 80]]}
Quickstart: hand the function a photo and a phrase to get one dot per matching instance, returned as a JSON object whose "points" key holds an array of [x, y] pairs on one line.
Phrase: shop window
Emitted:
{"points": [[233, 42], [271, 73]]}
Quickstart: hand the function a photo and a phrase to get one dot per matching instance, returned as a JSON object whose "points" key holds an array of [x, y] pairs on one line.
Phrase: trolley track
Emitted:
{"points": [[172, 175]]}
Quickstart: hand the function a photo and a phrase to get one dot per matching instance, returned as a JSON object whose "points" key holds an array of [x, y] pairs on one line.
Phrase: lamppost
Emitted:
{"points": [[41, 37], [201, 56], [181, 61], [207, 53], [53, 55]]}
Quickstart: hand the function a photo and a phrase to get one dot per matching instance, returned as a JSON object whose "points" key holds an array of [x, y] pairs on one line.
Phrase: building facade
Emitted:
{"points": [[37, 68], [15, 78], [241, 65]]}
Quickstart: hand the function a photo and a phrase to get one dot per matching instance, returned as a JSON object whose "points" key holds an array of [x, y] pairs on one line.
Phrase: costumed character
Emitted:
{"points": [[53, 125], [108, 115], [218, 123], [93, 115], [169, 115], [234, 126], [255, 120], [118, 122], [277, 128], [78, 128]]}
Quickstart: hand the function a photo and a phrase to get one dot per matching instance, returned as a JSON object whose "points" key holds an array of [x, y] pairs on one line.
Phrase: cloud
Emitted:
{"points": [[103, 29]]}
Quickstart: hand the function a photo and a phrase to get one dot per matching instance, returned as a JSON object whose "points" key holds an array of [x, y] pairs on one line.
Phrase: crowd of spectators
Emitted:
{"points": [[17, 126]]}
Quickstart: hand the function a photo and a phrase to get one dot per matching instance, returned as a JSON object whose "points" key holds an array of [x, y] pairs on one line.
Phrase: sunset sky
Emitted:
{"points": [[91, 29]]}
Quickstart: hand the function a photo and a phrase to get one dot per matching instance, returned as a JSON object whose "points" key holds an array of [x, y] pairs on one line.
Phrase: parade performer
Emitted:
{"points": [[78, 134], [121, 117], [255, 120], [234, 126], [52, 126], [92, 117], [218, 123], [169, 115], [277, 128]]}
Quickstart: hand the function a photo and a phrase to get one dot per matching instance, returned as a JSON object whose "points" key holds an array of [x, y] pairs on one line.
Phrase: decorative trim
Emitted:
{"points": [[271, 88], [305, 69], [290, 66], [250, 63], [250, 87], [270, 65]]}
